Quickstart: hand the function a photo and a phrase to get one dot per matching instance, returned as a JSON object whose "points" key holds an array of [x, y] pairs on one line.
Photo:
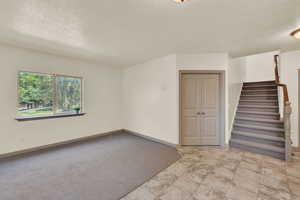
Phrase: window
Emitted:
{"points": [[48, 95]]}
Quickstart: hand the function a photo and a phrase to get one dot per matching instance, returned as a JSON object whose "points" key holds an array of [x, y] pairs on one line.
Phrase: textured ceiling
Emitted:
{"points": [[127, 32]]}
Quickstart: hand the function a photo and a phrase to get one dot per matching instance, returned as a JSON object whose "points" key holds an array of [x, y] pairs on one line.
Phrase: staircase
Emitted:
{"points": [[257, 126]]}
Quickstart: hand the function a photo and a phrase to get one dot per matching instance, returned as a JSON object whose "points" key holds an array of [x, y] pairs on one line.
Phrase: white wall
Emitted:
{"points": [[218, 60], [101, 100], [149, 99], [260, 67], [236, 76], [151, 93], [289, 65]]}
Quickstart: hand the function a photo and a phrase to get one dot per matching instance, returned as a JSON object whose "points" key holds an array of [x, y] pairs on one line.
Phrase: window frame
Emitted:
{"points": [[55, 100]]}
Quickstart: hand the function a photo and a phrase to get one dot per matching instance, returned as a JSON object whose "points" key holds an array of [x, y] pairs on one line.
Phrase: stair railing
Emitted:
{"points": [[287, 110]]}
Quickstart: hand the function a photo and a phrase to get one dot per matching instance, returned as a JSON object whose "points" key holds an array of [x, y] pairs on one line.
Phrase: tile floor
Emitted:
{"points": [[216, 173]]}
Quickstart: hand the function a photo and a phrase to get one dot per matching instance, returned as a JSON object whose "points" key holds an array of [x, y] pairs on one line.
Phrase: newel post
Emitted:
{"points": [[287, 130]]}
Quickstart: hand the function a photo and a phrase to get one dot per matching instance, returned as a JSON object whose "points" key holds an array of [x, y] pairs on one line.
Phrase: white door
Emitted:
{"points": [[200, 109]]}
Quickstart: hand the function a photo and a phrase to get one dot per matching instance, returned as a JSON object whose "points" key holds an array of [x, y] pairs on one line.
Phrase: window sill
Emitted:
{"points": [[49, 116]]}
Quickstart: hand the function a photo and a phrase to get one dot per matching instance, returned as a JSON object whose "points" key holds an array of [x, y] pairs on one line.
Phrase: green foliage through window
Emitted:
{"points": [[45, 94]]}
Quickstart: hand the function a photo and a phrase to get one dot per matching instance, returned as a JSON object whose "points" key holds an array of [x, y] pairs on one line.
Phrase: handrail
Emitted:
{"points": [[277, 80], [286, 112]]}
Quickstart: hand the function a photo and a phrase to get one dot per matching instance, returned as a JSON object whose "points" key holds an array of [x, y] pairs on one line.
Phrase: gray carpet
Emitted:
{"points": [[106, 168]]}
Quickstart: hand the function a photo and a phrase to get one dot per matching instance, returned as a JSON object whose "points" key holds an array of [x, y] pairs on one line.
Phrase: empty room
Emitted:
{"points": [[150, 100]]}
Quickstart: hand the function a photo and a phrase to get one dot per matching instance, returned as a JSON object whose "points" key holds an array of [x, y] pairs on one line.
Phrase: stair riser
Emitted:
{"points": [[258, 131], [250, 103], [275, 110], [272, 87], [253, 92], [259, 151], [269, 83], [258, 123], [248, 115], [258, 97], [258, 140]]}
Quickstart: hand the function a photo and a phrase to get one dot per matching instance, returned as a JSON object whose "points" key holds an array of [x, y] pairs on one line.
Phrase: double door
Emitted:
{"points": [[200, 109]]}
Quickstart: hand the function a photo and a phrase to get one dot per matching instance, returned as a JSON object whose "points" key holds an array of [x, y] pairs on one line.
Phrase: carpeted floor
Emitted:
{"points": [[102, 169]]}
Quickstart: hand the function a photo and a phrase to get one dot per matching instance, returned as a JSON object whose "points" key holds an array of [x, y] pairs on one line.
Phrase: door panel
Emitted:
{"points": [[189, 105], [200, 109]]}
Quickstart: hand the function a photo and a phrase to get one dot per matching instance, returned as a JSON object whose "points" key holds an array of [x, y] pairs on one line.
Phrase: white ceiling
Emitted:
{"points": [[127, 32]]}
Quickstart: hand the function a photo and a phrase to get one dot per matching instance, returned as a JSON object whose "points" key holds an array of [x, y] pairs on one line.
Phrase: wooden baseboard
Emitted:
{"points": [[151, 138], [58, 144], [79, 140]]}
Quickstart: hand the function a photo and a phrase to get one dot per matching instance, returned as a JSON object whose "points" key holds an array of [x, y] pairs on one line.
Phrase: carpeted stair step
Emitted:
{"points": [[258, 108], [259, 97], [259, 102], [263, 115], [259, 136], [270, 150], [260, 92], [259, 87], [259, 122], [259, 83], [279, 132], [252, 138]]}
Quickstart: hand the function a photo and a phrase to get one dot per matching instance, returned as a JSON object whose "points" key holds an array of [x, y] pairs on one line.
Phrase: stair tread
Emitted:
{"points": [[259, 113], [255, 86], [259, 127], [257, 106], [260, 120], [267, 90], [260, 95], [264, 101], [259, 145], [260, 136], [270, 81]]}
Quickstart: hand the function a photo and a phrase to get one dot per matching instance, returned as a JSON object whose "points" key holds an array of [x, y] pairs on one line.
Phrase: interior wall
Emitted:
{"points": [[102, 98], [149, 99], [236, 77], [151, 93], [289, 66], [215, 60], [260, 67]]}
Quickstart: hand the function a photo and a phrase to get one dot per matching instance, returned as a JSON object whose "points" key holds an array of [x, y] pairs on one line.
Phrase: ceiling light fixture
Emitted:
{"points": [[179, 1], [296, 33]]}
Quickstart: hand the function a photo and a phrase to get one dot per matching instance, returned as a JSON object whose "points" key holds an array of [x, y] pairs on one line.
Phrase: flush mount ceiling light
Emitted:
{"points": [[179, 1], [296, 33]]}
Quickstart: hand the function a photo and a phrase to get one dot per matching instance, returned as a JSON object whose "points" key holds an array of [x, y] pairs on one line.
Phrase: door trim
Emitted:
{"points": [[222, 101], [298, 148]]}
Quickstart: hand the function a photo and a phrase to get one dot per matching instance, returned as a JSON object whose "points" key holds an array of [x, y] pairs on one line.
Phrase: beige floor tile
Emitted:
{"points": [[293, 171], [248, 174], [175, 193], [224, 173], [238, 193], [160, 183], [276, 193], [295, 188], [250, 185], [217, 173], [186, 184], [253, 166], [141, 193], [217, 183], [206, 193]]}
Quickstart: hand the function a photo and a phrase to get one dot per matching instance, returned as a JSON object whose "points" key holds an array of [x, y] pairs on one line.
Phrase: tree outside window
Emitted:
{"points": [[46, 94]]}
